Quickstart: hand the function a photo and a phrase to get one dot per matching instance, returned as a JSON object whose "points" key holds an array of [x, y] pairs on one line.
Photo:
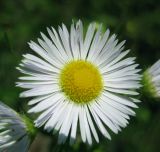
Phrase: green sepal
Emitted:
{"points": [[30, 128], [148, 86]]}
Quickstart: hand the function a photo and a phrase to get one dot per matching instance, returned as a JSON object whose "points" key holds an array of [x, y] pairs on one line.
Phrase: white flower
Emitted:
{"points": [[77, 79], [13, 135], [152, 80]]}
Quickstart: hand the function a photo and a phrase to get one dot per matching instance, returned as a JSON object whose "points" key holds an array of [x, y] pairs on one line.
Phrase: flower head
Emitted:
{"points": [[13, 135], [151, 80], [76, 78]]}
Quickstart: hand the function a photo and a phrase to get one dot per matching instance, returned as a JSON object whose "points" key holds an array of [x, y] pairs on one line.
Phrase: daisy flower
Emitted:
{"points": [[13, 134], [79, 81], [151, 80]]}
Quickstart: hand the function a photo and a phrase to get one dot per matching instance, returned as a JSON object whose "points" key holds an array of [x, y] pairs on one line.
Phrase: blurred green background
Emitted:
{"points": [[137, 21]]}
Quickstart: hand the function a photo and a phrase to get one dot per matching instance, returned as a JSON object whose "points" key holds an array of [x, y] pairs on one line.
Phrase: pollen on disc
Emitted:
{"points": [[81, 81]]}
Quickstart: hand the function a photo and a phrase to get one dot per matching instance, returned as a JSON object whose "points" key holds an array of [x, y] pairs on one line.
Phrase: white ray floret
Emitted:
{"points": [[13, 134], [64, 91]]}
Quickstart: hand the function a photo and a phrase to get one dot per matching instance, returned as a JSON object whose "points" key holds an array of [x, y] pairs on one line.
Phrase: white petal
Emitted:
{"points": [[66, 125], [55, 116], [87, 41], [63, 32], [105, 119], [43, 90], [99, 123], [121, 91], [120, 99], [82, 124], [90, 122], [73, 42], [46, 103], [100, 46], [87, 129], [53, 51], [74, 124]]}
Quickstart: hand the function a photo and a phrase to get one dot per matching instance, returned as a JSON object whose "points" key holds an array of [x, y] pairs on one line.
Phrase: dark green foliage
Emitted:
{"points": [[137, 21]]}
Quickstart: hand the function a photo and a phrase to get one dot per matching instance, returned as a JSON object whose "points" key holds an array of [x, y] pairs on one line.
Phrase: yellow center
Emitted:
{"points": [[81, 81]]}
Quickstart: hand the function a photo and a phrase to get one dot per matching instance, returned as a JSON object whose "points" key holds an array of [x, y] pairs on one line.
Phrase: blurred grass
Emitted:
{"points": [[137, 21]]}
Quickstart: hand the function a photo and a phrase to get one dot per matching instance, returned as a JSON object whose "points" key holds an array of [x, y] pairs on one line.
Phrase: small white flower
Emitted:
{"points": [[152, 80], [77, 79], [13, 135]]}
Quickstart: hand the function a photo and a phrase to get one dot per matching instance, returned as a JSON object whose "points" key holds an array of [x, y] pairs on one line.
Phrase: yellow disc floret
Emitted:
{"points": [[81, 81]]}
